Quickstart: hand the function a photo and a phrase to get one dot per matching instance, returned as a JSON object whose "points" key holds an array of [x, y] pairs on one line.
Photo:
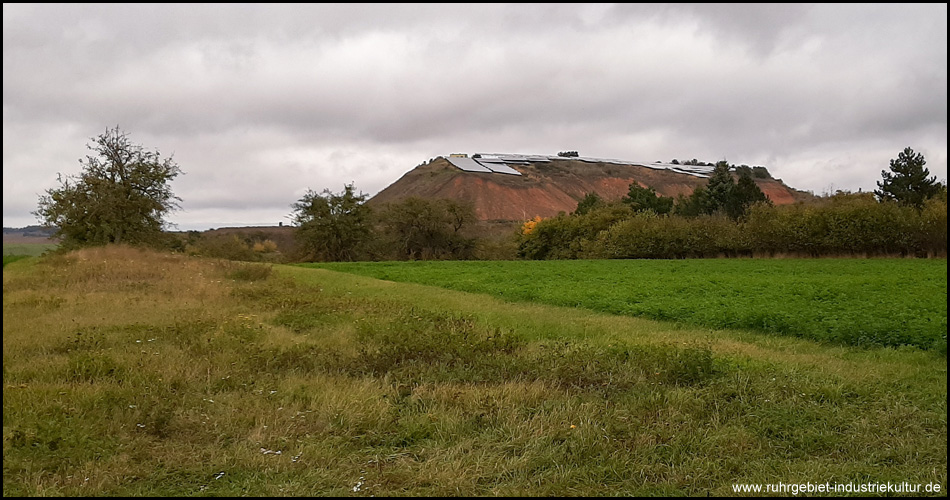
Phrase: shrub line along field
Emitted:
{"points": [[134, 373], [859, 302]]}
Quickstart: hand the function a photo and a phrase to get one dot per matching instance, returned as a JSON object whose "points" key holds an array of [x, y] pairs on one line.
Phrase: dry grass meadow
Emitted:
{"points": [[129, 372]]}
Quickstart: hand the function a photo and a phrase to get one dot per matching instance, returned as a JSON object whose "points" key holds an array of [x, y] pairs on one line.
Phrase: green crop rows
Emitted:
{"points": [[859, 302]]}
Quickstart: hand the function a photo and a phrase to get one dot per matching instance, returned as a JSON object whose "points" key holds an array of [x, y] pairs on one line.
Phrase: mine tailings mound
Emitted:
{"points": [[546, 188]]}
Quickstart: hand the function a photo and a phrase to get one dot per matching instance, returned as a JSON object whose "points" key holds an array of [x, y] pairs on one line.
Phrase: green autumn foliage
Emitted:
{"points": [[723, 194], [642, 199], [734, 218], [418, 228], [121, 196], [846, 224], [341, 227], [907, 182], [332, 226]]}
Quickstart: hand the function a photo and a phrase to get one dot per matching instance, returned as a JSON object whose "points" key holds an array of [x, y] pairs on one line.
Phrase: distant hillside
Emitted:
{"points": [[28, 234], [31, 231], [548, 185]]}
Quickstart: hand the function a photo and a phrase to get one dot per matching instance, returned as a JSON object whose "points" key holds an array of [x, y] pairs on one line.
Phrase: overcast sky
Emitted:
{"points": [[258, 103]]}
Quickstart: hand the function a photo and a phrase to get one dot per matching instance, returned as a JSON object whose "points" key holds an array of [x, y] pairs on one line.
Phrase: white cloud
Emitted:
{"points": [[259, 102]]}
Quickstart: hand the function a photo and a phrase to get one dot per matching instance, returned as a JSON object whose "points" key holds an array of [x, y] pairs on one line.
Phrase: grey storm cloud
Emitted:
{"points": [[259, 103]]}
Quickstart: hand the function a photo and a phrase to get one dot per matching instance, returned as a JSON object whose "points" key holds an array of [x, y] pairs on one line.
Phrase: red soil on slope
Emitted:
{"points": [[546, 188]]}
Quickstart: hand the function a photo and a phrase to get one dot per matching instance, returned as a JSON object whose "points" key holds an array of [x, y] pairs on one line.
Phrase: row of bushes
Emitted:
{"points": [[411, 229], [846, 224]]}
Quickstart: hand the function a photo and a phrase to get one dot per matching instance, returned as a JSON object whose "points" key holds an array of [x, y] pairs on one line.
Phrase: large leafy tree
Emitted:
{"points": [[642, 199], [121, 196], [694, 205], [420, 228], [907, 182], [723, 193], [589, 202], [332, 226], [721, 188], [746, 193]]}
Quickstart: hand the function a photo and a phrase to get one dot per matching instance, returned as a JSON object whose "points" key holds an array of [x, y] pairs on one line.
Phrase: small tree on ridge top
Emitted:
{"points": [[121, 196], [907, 182]]}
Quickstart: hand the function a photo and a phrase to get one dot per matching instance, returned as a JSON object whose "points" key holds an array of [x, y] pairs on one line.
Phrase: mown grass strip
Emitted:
{"points": [[858, 302], [30, 249], [7, 259]]}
